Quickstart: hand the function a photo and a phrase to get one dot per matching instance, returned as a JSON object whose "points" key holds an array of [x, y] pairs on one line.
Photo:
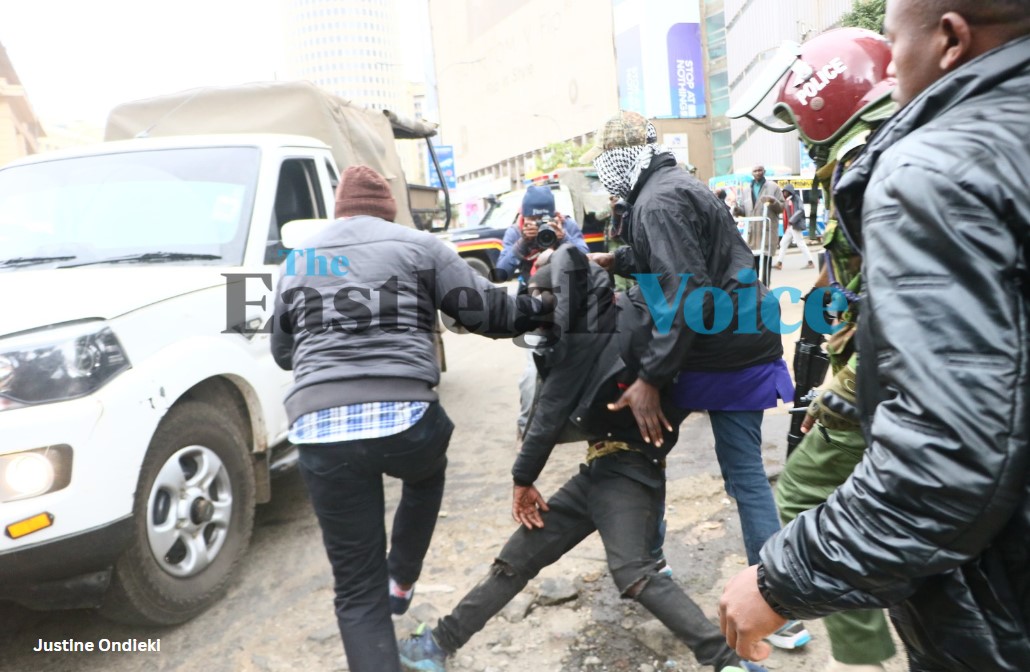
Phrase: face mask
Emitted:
{"points": [[613, 169]]}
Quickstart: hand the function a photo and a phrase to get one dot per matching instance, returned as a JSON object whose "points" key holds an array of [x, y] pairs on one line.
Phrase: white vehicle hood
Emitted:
{"points": [[37, 298]]}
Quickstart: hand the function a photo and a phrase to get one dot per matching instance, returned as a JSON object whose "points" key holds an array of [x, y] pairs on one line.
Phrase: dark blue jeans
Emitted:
{"points": [[738, 445], [620, 496], [345, 483]]}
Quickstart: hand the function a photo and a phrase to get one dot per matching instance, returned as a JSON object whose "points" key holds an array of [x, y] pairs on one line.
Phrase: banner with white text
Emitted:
{"points": [[660, 58]]}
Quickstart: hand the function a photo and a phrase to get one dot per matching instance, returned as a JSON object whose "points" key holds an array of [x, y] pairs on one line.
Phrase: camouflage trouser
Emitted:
{"points": [[821, 463]]}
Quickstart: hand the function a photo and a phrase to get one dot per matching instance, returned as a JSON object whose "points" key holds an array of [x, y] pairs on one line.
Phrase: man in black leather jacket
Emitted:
{"points": [[935, 521]]}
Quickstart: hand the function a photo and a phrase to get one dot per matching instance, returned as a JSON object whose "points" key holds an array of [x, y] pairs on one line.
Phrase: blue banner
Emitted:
{"points": [[659, 58], [686, 71], [445, 155]]}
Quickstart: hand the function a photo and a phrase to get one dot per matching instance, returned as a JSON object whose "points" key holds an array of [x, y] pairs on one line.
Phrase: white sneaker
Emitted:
{"points": [[837, 666], [792, 635]]}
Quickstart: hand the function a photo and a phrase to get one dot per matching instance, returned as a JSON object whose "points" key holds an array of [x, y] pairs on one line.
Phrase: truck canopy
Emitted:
{"points": [[356, 134]]}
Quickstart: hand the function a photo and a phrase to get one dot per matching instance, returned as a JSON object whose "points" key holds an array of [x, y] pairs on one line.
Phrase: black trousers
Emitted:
{"points": [[345, 483], [621, 497]]}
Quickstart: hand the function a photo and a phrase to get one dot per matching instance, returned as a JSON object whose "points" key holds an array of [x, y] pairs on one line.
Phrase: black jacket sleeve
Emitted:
{"points": [[666, 235], [943, 329], [625, 265], [569, 363], [556, 398]]}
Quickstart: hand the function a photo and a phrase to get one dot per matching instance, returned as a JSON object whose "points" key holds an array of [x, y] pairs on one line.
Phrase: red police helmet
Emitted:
{"points": [[837, 76]]}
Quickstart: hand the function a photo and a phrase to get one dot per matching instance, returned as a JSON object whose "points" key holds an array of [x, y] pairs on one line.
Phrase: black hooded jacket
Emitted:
{"points": [[935, 521]]}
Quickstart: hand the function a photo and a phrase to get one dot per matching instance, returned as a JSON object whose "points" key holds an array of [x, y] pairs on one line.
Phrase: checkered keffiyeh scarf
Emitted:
{"points": [[619, 168]]}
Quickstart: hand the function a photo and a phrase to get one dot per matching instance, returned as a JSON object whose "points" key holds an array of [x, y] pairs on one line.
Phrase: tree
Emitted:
{"points": [[866, 14], [560, 155]]}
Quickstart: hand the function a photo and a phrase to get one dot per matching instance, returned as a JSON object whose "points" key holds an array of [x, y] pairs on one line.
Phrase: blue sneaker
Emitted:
{"points": [[400, 599], [421, 652], [745, 666]]}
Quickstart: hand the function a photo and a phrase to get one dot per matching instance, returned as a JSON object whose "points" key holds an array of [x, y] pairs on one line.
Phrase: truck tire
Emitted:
{"points": [[193, 516], [479, 266]]}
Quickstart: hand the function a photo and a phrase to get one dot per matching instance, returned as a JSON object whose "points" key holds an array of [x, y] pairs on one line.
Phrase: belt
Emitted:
{"points": [[602, 448]]}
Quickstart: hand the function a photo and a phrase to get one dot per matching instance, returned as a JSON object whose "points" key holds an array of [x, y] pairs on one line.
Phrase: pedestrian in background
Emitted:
{"points": [[793, 226], [755, 199]]}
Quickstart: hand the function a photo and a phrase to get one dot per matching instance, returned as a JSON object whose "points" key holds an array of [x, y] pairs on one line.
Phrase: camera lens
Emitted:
{"points": [[546, 236]]}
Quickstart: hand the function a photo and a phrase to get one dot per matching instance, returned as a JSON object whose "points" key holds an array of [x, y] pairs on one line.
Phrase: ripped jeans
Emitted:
{"points": [[621, 497]]}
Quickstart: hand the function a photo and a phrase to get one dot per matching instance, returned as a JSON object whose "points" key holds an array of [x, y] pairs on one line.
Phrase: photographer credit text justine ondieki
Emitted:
{"points": [[102, 645]]}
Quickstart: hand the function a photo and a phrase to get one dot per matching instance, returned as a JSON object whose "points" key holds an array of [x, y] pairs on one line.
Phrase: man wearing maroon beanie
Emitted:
{"points": [[355, 319]]}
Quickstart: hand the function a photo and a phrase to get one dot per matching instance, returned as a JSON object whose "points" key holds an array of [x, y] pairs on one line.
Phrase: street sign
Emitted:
{"points": [[445, 155]]}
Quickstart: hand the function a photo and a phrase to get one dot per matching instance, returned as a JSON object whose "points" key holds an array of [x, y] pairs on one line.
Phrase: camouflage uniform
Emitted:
{"points": [[835, 445]]}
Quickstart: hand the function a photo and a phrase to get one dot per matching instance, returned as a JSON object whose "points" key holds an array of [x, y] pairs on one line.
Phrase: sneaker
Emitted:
{"points": [[664, 568], [400, 599], [421, 652], [745, 666], [778, 266], [810, 265], [792, 635]]}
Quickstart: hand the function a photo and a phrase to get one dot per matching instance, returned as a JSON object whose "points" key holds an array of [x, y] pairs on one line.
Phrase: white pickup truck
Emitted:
{"points": [[140, 410]]}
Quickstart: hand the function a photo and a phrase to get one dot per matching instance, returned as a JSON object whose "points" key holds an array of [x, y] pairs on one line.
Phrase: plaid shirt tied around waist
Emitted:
{"points": [[371, 420]]}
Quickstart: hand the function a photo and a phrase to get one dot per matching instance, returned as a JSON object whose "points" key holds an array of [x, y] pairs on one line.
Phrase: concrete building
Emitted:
{"points": [[352, 49], [515, 76], [347, 47], [20, 130], [512, 77], [754, 29]]}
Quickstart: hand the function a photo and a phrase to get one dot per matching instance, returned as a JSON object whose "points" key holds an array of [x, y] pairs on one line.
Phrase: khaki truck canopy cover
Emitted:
{"points": [[357, 135]]}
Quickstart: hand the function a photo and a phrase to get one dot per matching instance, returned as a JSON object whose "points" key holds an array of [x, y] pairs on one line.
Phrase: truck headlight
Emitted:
{"points": [[28, 474], [34, 472], [58, 363]]}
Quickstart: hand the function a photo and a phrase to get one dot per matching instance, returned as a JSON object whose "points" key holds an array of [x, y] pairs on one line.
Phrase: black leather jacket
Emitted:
{"points": [[678, 226], [935, 521]]}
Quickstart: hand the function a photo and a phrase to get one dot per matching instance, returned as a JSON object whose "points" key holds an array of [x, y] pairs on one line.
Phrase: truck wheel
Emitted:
{"points": [[194, 511], [479, 266]]}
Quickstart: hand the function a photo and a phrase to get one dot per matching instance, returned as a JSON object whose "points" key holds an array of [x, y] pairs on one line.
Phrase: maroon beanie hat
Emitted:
{"points": [[363, 191]]}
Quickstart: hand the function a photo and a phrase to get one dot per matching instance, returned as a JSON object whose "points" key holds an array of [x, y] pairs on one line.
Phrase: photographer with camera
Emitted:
{"points": [[539, 227]]}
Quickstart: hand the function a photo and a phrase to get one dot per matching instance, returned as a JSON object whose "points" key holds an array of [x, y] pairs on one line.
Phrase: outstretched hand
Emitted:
{"points": [[526, 505], [643, 400], [745, 618]]}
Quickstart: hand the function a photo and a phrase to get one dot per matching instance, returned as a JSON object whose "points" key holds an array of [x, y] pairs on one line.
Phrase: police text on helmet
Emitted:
{"points": [[823, 76]]}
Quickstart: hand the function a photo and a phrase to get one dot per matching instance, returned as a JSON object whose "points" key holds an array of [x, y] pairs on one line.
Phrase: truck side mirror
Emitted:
{"points": [[295, 232]]}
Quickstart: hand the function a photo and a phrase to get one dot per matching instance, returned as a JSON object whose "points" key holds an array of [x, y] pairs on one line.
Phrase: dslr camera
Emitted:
{"points": [[546, 234]]}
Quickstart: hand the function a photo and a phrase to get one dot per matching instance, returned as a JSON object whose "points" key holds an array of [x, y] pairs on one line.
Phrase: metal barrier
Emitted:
{"points": [[764, 253]]}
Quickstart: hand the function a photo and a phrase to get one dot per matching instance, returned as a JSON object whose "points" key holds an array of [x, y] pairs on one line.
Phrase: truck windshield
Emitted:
{"points": [[86, 210]]}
